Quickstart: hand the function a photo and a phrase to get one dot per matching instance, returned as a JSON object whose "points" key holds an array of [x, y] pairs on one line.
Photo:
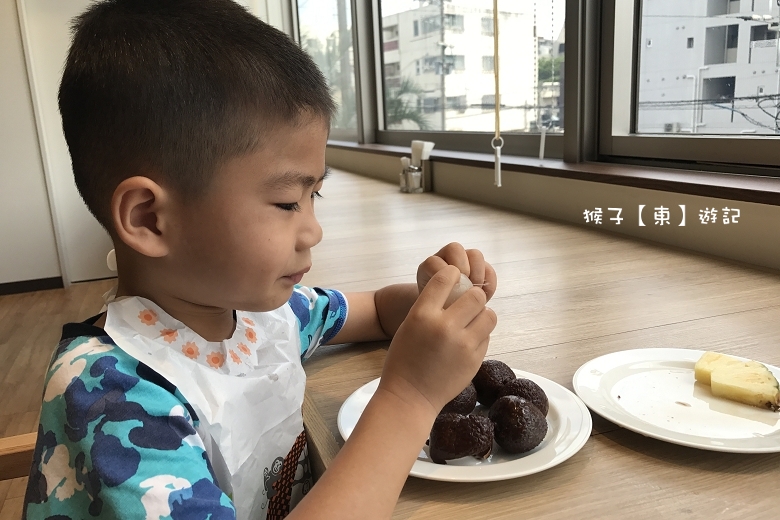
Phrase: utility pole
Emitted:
{"points": [[443, 67]]}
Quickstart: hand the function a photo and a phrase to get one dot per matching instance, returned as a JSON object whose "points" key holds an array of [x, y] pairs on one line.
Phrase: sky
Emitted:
{"points": [[319, 16]]}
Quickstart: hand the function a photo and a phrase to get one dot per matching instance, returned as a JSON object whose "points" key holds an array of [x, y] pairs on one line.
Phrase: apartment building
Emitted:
{"points": [[709, 67], [444, 51]]}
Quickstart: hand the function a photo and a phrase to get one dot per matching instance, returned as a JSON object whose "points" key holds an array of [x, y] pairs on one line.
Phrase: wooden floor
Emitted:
{"points": [[561, 288]]}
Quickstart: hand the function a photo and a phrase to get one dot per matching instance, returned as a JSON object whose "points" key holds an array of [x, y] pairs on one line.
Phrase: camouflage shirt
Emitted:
{"points": [[117, 440]]}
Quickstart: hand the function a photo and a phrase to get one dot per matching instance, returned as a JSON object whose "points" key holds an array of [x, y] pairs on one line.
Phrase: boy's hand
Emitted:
{"points": [[469, 261], [437, 351]]}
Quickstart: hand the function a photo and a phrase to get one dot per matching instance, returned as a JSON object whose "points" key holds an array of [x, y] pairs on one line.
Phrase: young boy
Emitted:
{"points": [[197, 135]]}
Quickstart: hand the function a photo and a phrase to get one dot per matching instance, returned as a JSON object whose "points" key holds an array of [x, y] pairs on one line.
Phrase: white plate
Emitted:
{"points": [[653, 392], [569, 425]]}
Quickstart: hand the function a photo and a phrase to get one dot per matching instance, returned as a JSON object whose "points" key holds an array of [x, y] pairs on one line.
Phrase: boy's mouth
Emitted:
{"points": [[297, 277]]}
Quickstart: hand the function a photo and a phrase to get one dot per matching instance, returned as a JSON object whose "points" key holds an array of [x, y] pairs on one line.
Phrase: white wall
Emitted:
{"points": [[27, 247], [83, 243]]}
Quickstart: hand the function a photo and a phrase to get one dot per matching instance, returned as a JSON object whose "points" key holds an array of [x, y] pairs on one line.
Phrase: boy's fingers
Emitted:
{"points": [[439, 287], [476, 266], [482, 348], [483, 324], [431, 266], [454, 254], [491, 281], [468, 306]]}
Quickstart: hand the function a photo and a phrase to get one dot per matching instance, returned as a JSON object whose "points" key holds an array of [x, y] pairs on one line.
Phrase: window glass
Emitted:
{"points": [[713, 67], [325, 28], [438, 65]]}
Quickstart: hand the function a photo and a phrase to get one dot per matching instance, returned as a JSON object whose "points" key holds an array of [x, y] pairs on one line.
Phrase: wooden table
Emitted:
{"points": [[566, 295]]}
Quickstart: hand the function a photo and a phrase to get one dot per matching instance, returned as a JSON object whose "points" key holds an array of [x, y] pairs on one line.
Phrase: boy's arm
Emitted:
{"points": [[432, 357], [376, 315]]}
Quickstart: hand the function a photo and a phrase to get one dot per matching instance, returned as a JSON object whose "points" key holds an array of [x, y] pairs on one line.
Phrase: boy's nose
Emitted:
{"points": [[311, 234]]}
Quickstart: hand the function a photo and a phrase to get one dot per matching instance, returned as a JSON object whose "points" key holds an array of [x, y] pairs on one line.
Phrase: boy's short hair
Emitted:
{"points": [[172, 89]]}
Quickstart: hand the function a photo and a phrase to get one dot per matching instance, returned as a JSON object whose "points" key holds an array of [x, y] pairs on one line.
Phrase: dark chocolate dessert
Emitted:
{"points": [[490, 378], [454, 436], [528, 390], [519, 425], [463, 403]]}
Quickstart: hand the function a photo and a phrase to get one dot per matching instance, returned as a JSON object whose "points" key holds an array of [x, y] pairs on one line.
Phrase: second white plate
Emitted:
{"points": [[653, 392], [569, 426]]}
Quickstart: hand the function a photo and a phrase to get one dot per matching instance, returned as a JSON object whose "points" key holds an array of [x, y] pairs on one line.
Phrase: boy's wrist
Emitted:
{"points": [[392, 305], [404, 397]]}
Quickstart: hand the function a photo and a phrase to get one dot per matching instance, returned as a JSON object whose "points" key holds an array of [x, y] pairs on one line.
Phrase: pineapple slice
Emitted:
{"points": [[748, 382], [709, 361]]}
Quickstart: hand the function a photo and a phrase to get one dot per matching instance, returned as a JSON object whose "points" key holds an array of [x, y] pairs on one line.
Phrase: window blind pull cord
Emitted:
{"points": [[497, 142]]}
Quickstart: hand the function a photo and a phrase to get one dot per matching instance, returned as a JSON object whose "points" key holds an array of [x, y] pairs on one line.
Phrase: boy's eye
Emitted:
{"points": [[292, 206]]}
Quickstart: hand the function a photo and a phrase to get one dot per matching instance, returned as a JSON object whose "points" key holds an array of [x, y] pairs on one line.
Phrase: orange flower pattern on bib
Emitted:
{"points": [[191, 350], [251, 335], [169, 335], [312, 307], [147, 317], [216, 359]]}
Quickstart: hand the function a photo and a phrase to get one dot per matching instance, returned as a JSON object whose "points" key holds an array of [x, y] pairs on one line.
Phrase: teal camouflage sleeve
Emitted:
{"points": [[116, 440], [321, 314]]}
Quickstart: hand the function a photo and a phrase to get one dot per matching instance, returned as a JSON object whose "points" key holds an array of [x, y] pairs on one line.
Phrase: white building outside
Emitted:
{"points": [[709, 67], [412, 51]]}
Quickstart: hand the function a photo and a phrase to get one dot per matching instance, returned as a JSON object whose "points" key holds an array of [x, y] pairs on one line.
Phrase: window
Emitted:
{"points": [[763, 45], [392, 69], [390, 33], [715, 53], [487, 25], [325, 29], [457, 102], [454, 22], [761, 32], [487, 64], [725, 89], [723, 7], [489, 101], [717, 7], [699, 94], [718, 89], [449, 62], [431, 24], [432, 64], [454, 63], [732, 38]]}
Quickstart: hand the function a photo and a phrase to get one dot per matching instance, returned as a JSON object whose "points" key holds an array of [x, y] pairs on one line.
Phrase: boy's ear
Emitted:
{"points": [[142, 210]]}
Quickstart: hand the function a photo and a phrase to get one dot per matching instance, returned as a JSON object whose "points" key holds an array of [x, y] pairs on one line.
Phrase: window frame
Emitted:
{"points": [[599, 108], [336, 134], [618, 92], [526, 144]]}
